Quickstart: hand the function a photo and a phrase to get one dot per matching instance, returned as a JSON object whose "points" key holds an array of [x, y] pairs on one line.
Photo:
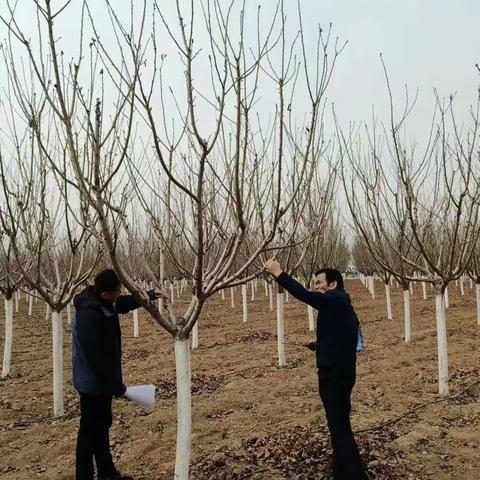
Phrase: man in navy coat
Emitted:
{"points": [[336, 352], [97, 370]]}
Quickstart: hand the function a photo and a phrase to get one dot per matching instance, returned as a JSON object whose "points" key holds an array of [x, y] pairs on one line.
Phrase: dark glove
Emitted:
{"points": [[311, 346], [119, 390]]}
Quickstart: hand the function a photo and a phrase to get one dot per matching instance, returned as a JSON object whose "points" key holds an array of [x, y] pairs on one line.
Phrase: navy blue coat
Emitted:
{"points": [[337, 323], [97, 343]]}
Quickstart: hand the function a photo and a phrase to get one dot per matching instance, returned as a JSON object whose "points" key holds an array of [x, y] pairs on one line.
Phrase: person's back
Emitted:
{"points": [[96, 345]]}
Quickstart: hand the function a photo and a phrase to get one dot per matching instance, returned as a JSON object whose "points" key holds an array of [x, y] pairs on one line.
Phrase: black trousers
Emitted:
{"points": [[93, 437], [335, 388]]}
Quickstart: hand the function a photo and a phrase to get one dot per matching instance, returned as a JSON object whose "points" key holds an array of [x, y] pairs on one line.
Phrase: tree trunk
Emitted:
{"points": [[252, 286], [462, 289], [223, 294], [270, 291], [280, 330], [244, 301], [446, 298], [232, 297], [172, 299], [184, 409], [389, 301], [311, 323], [7, 352], [372, 287], [265, 284], [30, 305], [69, 314], [135, 323], [57, 338], [195, 336], [442, 345], [287, 298], [424, 288], [16, 300], [408, 320], [477, 294]]}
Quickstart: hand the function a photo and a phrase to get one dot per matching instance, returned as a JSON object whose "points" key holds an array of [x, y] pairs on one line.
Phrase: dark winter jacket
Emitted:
{"points": [[337, 323], [97, 343]]}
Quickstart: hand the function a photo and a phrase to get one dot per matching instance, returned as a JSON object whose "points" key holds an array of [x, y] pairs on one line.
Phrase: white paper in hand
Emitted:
{"points": [[144, 395]]}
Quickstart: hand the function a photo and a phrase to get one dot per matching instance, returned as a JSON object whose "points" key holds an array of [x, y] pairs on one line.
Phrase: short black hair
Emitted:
{"points": [[106, 281], [332, 275]]}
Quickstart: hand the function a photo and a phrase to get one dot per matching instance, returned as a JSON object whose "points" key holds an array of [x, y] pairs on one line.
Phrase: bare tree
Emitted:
{"points": [[223, 187], [434, 196]]}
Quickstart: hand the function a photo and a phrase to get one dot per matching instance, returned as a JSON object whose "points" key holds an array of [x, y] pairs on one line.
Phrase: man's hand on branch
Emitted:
{"points": [[273, 267], [155, 295]]}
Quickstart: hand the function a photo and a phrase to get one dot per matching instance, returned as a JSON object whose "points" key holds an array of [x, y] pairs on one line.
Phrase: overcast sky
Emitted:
{"points": [[425, 44]]}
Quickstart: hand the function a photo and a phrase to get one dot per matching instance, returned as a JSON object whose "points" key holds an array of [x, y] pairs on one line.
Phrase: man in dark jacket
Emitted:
{"points": [[97, 370], [337, 335]]}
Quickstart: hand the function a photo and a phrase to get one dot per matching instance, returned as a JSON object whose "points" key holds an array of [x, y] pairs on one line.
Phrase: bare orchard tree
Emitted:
{"points": [[437, 194], [225, 161], [49, 247]]}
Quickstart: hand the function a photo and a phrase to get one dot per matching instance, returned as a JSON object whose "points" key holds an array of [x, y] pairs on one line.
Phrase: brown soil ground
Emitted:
{"points": [[249, 415]]}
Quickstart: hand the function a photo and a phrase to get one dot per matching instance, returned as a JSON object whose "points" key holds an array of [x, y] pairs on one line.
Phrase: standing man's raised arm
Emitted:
{"points": [[314, 299]]}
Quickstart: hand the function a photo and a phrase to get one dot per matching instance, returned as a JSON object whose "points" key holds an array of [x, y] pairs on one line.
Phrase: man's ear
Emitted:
{"points": [[334, 284]]}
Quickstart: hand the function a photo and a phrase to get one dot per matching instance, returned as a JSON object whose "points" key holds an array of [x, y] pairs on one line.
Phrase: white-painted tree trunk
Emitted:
{"points": [[135, 323], [477, 294], [265, 284], [471, 284], [287, 297], [462, 288], [7, 351], [446, 298], [172, 296], [252, 287], [270, 291], [372, 287], [410, 287], [223, 294], [311, 322], [30, 305], [57, 341], [178, 290], [424, 289], [280, 330], [69, 314], [195, 336], [47, 311], [442, 345], [184, 409], [244, 301], [15, 295], [408, 319], [389, 301], [232, 297]]}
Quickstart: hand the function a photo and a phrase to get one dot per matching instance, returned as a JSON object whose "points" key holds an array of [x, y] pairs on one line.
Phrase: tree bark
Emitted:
{"points": [[442, 345], [57, 339], [184, 409], [7, 352]]}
